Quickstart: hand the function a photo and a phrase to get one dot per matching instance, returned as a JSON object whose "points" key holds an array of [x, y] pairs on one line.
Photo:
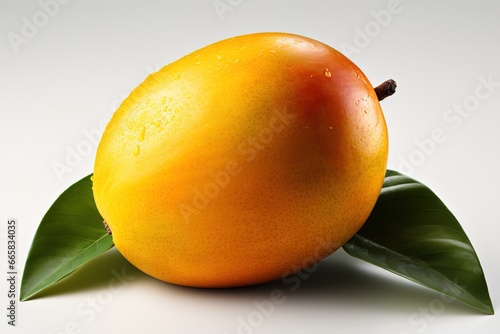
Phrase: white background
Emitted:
{"points": [[69, 74]]}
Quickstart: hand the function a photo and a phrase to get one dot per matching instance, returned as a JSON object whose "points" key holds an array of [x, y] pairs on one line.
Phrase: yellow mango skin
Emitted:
{"points": [[242, 162]]}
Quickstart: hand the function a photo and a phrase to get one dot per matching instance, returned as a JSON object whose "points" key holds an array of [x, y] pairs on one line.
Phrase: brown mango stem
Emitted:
{"points": [[385, 89], [107, 227]]}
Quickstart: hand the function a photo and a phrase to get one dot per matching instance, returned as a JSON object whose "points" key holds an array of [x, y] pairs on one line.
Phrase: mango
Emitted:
{"points": [[242, 162]]}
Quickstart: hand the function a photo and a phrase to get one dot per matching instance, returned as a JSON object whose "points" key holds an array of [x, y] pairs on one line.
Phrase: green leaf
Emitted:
{"points": [[411, 233], [70, 234]]}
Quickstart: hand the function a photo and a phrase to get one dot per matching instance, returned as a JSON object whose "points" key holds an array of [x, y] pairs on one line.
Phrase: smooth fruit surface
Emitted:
{"points": [[242, 162]]}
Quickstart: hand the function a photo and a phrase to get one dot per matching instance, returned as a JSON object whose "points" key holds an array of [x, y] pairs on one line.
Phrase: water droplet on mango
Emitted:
{"points": [[328, 74], [137, 150], [142, 133]]}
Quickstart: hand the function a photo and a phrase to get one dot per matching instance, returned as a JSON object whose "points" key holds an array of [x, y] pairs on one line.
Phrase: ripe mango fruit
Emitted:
{"points": [[242, 162]]}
